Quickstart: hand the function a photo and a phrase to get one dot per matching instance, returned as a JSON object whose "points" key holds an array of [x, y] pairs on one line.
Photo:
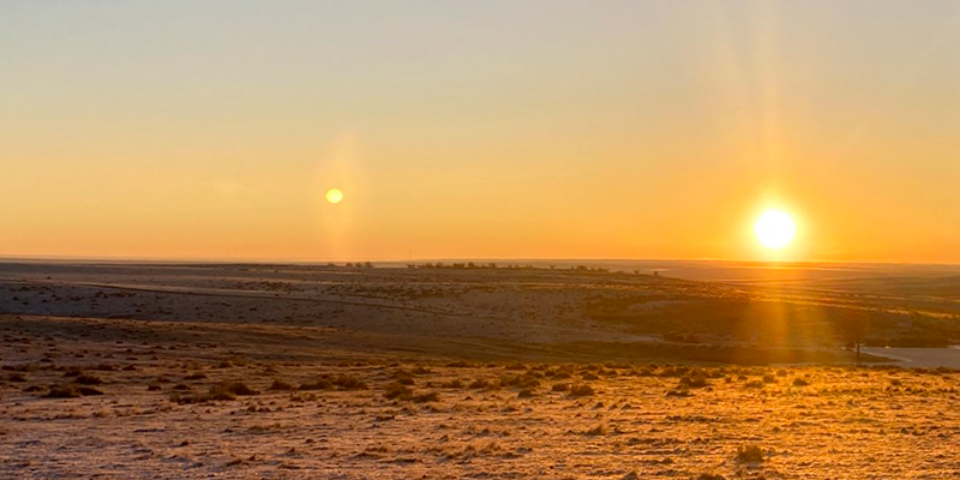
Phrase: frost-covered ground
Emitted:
{"points": [[270, 371], [486, 421]]}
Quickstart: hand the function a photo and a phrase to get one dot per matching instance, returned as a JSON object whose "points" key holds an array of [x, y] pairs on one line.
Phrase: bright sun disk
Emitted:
{"points": [[775, 229]]}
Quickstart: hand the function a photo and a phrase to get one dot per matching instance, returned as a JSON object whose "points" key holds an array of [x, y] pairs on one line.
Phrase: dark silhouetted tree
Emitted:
{"points": [[853, 328]]}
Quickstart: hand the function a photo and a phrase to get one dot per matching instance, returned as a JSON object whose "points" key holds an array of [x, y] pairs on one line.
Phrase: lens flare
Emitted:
{"points": [[334, 196]]}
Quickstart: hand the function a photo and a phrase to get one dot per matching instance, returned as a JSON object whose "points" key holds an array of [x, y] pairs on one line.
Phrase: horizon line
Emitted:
{"points": [[486, 260]]}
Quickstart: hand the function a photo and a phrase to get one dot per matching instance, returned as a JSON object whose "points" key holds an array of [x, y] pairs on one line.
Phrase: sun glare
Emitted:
{"points": [[334, 196], [775, 229]]}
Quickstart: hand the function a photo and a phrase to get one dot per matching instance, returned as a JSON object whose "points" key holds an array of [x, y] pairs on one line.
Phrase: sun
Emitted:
{"points": [[334, 196], [775, 229]]}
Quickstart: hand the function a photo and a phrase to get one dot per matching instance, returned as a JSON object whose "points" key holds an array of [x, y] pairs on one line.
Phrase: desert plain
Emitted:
{"points": [[459, 370]]}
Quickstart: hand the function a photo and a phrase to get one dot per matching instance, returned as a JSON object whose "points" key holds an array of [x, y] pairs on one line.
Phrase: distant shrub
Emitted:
{"points": [[460, 364], [426, 397], [526, 393], [228, 391], [88, 380], [348, 382], [711, 476], [280, 385], [398, 391], [522, 381], [769, 379], [65, 391], [754, 384], [321, 384], [455, 383], [560, 387], [693, 382], [88, 391], [749, 454], [675, 372], [679, 392], [339, 382], [595, 431], [479, 383], [799, 382], [582, 391], [71, 391]]}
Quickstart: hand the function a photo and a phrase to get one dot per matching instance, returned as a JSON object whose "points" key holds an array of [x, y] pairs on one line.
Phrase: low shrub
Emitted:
{"points": [[398, 391], [85, 379], [582, 391], [71, 391], [749, 454], [280, 385], [426, 397]]}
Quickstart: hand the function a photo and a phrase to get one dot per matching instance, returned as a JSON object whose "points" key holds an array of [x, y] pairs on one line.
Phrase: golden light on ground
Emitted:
{"points": [[775, 229], [334, 196]]}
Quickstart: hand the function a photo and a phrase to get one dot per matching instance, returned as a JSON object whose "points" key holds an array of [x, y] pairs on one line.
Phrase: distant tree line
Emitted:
{"points": [[491, 265], [354, 265], [462, 266]]}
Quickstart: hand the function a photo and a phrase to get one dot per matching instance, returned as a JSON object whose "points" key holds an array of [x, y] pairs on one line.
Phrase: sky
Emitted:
{"points": [[479, 129]]}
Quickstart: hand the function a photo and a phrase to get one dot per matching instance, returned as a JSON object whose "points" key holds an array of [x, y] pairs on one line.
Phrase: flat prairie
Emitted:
{"points": [[297, 371]]}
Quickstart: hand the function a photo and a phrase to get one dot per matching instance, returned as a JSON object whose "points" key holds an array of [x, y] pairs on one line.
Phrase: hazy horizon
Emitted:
{"points": [[501, 261]]}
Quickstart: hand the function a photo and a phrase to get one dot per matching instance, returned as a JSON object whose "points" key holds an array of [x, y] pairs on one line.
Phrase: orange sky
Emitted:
{"points": [[547, 129]]}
